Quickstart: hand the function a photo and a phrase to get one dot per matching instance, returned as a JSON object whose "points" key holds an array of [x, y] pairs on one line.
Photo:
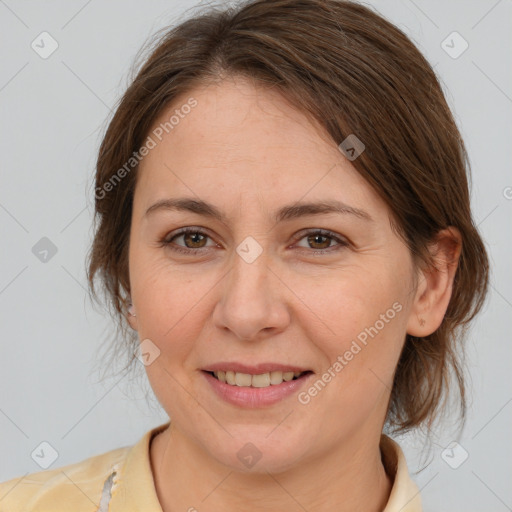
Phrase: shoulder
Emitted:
{"points": [[77, 487]]}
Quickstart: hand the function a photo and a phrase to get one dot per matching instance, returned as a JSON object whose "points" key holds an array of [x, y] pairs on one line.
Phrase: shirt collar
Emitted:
{"points": [[134, 490], [405, 495]]}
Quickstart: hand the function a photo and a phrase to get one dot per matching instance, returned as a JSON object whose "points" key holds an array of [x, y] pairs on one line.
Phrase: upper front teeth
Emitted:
{"points": [[257, 381]]}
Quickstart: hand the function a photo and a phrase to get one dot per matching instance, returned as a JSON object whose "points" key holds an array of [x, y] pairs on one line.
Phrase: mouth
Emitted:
{"points": [[262, 380]]}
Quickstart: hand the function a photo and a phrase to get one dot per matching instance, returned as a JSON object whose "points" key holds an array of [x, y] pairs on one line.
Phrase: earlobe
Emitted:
{"points": [[131, 310], [434, 290], [131, 316]]}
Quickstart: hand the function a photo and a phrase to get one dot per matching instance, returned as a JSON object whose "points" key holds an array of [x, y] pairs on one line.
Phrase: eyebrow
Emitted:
{"points": [[293, 211]]}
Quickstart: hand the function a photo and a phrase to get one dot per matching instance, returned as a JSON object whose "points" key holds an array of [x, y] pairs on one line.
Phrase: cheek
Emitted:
{"points": [[170, 303], [367, 318], [172, 309], [360, 317]]}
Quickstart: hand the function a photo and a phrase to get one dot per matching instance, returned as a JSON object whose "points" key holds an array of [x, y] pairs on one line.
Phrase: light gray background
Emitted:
{"points": [[53, 112]]}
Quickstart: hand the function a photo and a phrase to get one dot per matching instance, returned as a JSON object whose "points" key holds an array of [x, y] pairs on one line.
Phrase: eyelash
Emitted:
{"points": [[167, 242]]}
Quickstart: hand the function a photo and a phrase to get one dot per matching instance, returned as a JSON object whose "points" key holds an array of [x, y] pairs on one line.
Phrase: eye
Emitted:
{"points": [[194, 239], [320, 241]]}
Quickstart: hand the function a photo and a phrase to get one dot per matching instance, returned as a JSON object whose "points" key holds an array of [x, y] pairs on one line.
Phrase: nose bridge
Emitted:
{"points": [[250, 300], [249, 276]]}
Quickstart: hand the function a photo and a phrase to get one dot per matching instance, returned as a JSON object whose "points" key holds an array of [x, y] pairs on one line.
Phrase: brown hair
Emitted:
{"points": [[355, 73]]}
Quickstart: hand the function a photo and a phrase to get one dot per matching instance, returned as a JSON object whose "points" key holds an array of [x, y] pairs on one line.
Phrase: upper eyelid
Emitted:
{"points": [[186, 232]]}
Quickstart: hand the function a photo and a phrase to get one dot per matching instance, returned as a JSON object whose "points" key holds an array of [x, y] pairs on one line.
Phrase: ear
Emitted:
{"points": [[435, 284]]}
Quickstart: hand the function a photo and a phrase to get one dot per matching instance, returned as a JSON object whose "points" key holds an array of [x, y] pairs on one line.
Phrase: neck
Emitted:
{"points": [[347, 479]]}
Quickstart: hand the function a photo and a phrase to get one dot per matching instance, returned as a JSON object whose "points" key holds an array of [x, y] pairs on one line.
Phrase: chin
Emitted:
{"points": [[260, 450]]}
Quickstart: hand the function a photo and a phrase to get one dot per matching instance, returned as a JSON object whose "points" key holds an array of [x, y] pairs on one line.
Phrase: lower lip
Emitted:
{"points": [[252, 398]]}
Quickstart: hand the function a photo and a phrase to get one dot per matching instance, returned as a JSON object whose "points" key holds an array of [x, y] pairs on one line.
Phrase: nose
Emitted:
{"points": [[252, 302]]}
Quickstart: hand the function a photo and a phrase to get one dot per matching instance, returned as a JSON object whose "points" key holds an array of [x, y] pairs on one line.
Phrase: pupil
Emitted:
{"points": [[195, 237]]}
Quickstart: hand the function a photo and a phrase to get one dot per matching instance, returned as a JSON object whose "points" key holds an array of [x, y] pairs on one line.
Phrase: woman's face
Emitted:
{"points": [[258, 286]]}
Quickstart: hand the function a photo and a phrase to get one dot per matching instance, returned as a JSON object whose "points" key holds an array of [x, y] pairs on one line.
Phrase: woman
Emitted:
{"points": [[285, 227]]}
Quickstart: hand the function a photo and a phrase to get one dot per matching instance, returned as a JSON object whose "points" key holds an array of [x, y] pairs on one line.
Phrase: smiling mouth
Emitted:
{"points": [[257, 381]]}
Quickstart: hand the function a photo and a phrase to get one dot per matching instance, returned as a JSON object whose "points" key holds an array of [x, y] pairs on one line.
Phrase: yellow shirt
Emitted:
{"points": [[121, 480]]}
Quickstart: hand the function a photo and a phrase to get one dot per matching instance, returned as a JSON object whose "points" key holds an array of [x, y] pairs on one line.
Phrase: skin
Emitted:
{"points": [[247, 151]]}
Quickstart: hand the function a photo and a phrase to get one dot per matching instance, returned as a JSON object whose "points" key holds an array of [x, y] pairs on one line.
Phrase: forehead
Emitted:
{"points": [[246, 141], [236, 116]]}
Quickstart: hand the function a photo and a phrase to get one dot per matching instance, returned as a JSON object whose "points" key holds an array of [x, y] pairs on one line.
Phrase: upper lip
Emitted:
{"points": [[253, 369]]}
